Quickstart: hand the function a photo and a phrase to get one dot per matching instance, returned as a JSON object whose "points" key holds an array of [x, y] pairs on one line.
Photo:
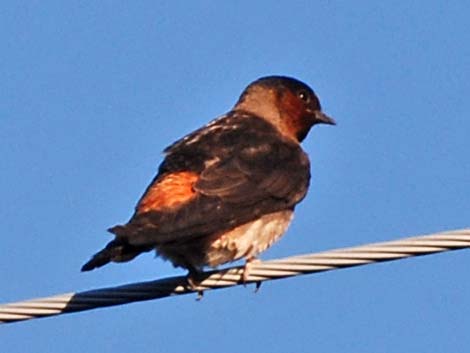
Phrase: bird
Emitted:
{"points": [[228, 190]]}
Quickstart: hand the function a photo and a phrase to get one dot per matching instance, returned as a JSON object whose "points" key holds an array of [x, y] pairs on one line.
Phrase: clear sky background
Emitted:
{"points": [[91, 93]]}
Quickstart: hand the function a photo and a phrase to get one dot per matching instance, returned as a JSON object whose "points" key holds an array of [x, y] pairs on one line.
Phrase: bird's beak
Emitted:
{"points": [[322, 118]]}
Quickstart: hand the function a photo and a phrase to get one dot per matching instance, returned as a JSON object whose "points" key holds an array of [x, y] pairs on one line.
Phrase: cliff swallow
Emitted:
{"points": [[228, 190]]}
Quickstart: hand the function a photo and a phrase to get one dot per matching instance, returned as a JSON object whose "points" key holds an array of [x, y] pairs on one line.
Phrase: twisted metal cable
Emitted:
{"points": [[258, 272]]}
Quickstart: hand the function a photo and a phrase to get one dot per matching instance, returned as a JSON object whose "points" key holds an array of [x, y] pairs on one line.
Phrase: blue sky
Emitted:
{"points": [[91, 93]]}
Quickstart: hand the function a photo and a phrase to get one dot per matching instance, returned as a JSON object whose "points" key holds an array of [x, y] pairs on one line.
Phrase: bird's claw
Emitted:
{"points": [[194, 279], [246, 273]]}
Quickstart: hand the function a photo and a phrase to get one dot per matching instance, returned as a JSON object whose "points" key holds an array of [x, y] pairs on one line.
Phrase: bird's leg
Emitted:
{"points": [[194, 278], [246, 272]]}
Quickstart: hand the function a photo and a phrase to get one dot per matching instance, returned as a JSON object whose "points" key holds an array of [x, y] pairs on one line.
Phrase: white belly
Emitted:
{"points": [[248, 240]]}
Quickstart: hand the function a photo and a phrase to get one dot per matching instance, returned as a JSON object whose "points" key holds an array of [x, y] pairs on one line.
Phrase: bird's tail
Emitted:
{"points": [[115, 251]]}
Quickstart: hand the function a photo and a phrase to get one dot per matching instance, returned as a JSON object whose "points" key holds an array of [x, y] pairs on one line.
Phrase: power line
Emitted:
{"points": [[258, 272]]}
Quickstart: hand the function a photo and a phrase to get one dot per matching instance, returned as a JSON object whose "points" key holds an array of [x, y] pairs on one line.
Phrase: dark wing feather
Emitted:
{"points": [[254, 171]]}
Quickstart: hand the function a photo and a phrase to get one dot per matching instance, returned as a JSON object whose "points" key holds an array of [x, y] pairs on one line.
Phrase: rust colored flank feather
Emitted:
{"points": [[168, 192]]}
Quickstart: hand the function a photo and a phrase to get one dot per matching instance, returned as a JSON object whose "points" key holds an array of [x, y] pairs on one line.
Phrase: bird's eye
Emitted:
{"points": [[304, 96]]}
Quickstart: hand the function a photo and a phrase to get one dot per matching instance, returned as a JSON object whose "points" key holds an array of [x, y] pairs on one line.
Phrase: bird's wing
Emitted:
{"points": [[236, 183]]}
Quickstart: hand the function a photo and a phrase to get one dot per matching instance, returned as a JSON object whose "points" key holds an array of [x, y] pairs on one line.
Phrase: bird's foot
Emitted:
{"points": [[194, 279], [246, 272]]}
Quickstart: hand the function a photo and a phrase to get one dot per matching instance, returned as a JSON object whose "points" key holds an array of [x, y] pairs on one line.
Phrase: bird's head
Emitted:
{"points": [[287, 103]]}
